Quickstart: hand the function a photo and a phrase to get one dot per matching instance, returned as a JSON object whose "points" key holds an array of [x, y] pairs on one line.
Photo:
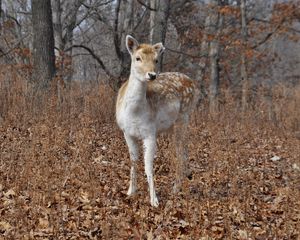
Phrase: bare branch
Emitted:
{"points": [[116, 34], [12, 48], [269, 22], [95, 9], [186, 54], [14, 19], [99, 5], [94, 55], [146, 5], [24, 13], [139, 21], [269, 35]]}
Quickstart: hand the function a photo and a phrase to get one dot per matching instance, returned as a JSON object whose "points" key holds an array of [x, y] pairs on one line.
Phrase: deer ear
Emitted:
{"points": [[159, 48], [131, 44]]}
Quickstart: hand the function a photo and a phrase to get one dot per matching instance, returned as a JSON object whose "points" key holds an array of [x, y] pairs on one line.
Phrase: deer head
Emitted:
{"points": [[144, 58]]}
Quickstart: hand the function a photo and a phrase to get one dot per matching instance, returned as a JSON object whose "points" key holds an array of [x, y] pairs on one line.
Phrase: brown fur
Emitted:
{"points": [[154, 104], [165, 87], [146, 49], [121, 94], [172, 86]]}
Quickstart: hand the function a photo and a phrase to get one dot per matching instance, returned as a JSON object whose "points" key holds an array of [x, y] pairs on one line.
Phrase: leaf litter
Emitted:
{"points": [[58, 182]]}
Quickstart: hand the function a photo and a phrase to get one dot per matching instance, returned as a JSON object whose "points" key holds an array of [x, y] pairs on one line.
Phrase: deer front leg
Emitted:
{"points": [[149, 152], [134, 155]]}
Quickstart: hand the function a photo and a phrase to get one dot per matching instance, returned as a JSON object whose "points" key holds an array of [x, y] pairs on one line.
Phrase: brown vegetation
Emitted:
{"points": [[64, 169], [64, 165]]}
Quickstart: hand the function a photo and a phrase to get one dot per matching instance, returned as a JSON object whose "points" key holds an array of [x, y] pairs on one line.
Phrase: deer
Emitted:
{"points": [[148, 104]]}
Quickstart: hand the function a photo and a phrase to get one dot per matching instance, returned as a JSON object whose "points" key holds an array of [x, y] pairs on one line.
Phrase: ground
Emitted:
{"points": [[68, 180]]}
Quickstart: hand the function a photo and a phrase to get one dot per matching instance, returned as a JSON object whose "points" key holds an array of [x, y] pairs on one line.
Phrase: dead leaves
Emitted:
{"points": [[5, 227], [72, 185]]}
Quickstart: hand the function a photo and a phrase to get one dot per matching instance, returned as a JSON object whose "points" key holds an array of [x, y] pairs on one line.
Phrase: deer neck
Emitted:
{"points": [[136, 90]]}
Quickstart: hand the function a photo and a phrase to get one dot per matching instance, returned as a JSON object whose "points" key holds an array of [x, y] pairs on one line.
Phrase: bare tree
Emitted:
{"points": [[159, 22], [204, 50], [12, 37], [43, 43], [117, 21], [244, 76], [214, 28], [64, 22], [184, 13], [125, 26]]}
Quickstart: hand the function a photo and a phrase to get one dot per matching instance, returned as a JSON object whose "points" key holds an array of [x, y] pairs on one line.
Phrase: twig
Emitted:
{"points": [[186, 54], [96, 57], [13, 48], [146, 5]]}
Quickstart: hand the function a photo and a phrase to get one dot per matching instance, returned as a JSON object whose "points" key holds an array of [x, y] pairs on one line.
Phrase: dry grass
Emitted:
{"points": [[64, 171]]}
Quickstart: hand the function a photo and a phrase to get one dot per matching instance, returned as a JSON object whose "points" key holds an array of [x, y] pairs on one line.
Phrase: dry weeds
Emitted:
{"points": [[64, 173]]}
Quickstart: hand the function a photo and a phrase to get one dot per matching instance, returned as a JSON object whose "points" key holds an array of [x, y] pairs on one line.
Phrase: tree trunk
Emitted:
{"points": [[204, 50], [159, 23], [269, 99], [73, 7], [57, 24], [126, 21], [245, 80], [125, 18], [270, 83], [58, 36], [214, 48], [214, 76], [63, 33], [43, 43], [179, 13]]}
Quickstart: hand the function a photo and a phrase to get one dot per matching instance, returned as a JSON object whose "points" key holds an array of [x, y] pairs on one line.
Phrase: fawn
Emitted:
{"points": [[148, 104]]}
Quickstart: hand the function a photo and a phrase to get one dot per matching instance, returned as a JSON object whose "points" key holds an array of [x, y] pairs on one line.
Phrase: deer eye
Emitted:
{"points": [[138, 59], [156, 61]]}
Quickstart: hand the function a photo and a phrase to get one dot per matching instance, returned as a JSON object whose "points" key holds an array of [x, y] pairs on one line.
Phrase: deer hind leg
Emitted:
{"points": [[149, 152], [134, 155], [181, 147]]}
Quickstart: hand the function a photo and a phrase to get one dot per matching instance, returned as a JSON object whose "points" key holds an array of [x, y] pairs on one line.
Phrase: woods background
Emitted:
{"points": [[63, 164]]}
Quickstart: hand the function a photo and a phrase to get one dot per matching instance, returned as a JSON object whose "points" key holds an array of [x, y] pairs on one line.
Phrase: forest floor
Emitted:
{"points": [[68, 180]]}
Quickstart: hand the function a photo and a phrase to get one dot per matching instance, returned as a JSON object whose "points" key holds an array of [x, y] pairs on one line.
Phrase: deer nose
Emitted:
{"points": [[152, 75]]}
